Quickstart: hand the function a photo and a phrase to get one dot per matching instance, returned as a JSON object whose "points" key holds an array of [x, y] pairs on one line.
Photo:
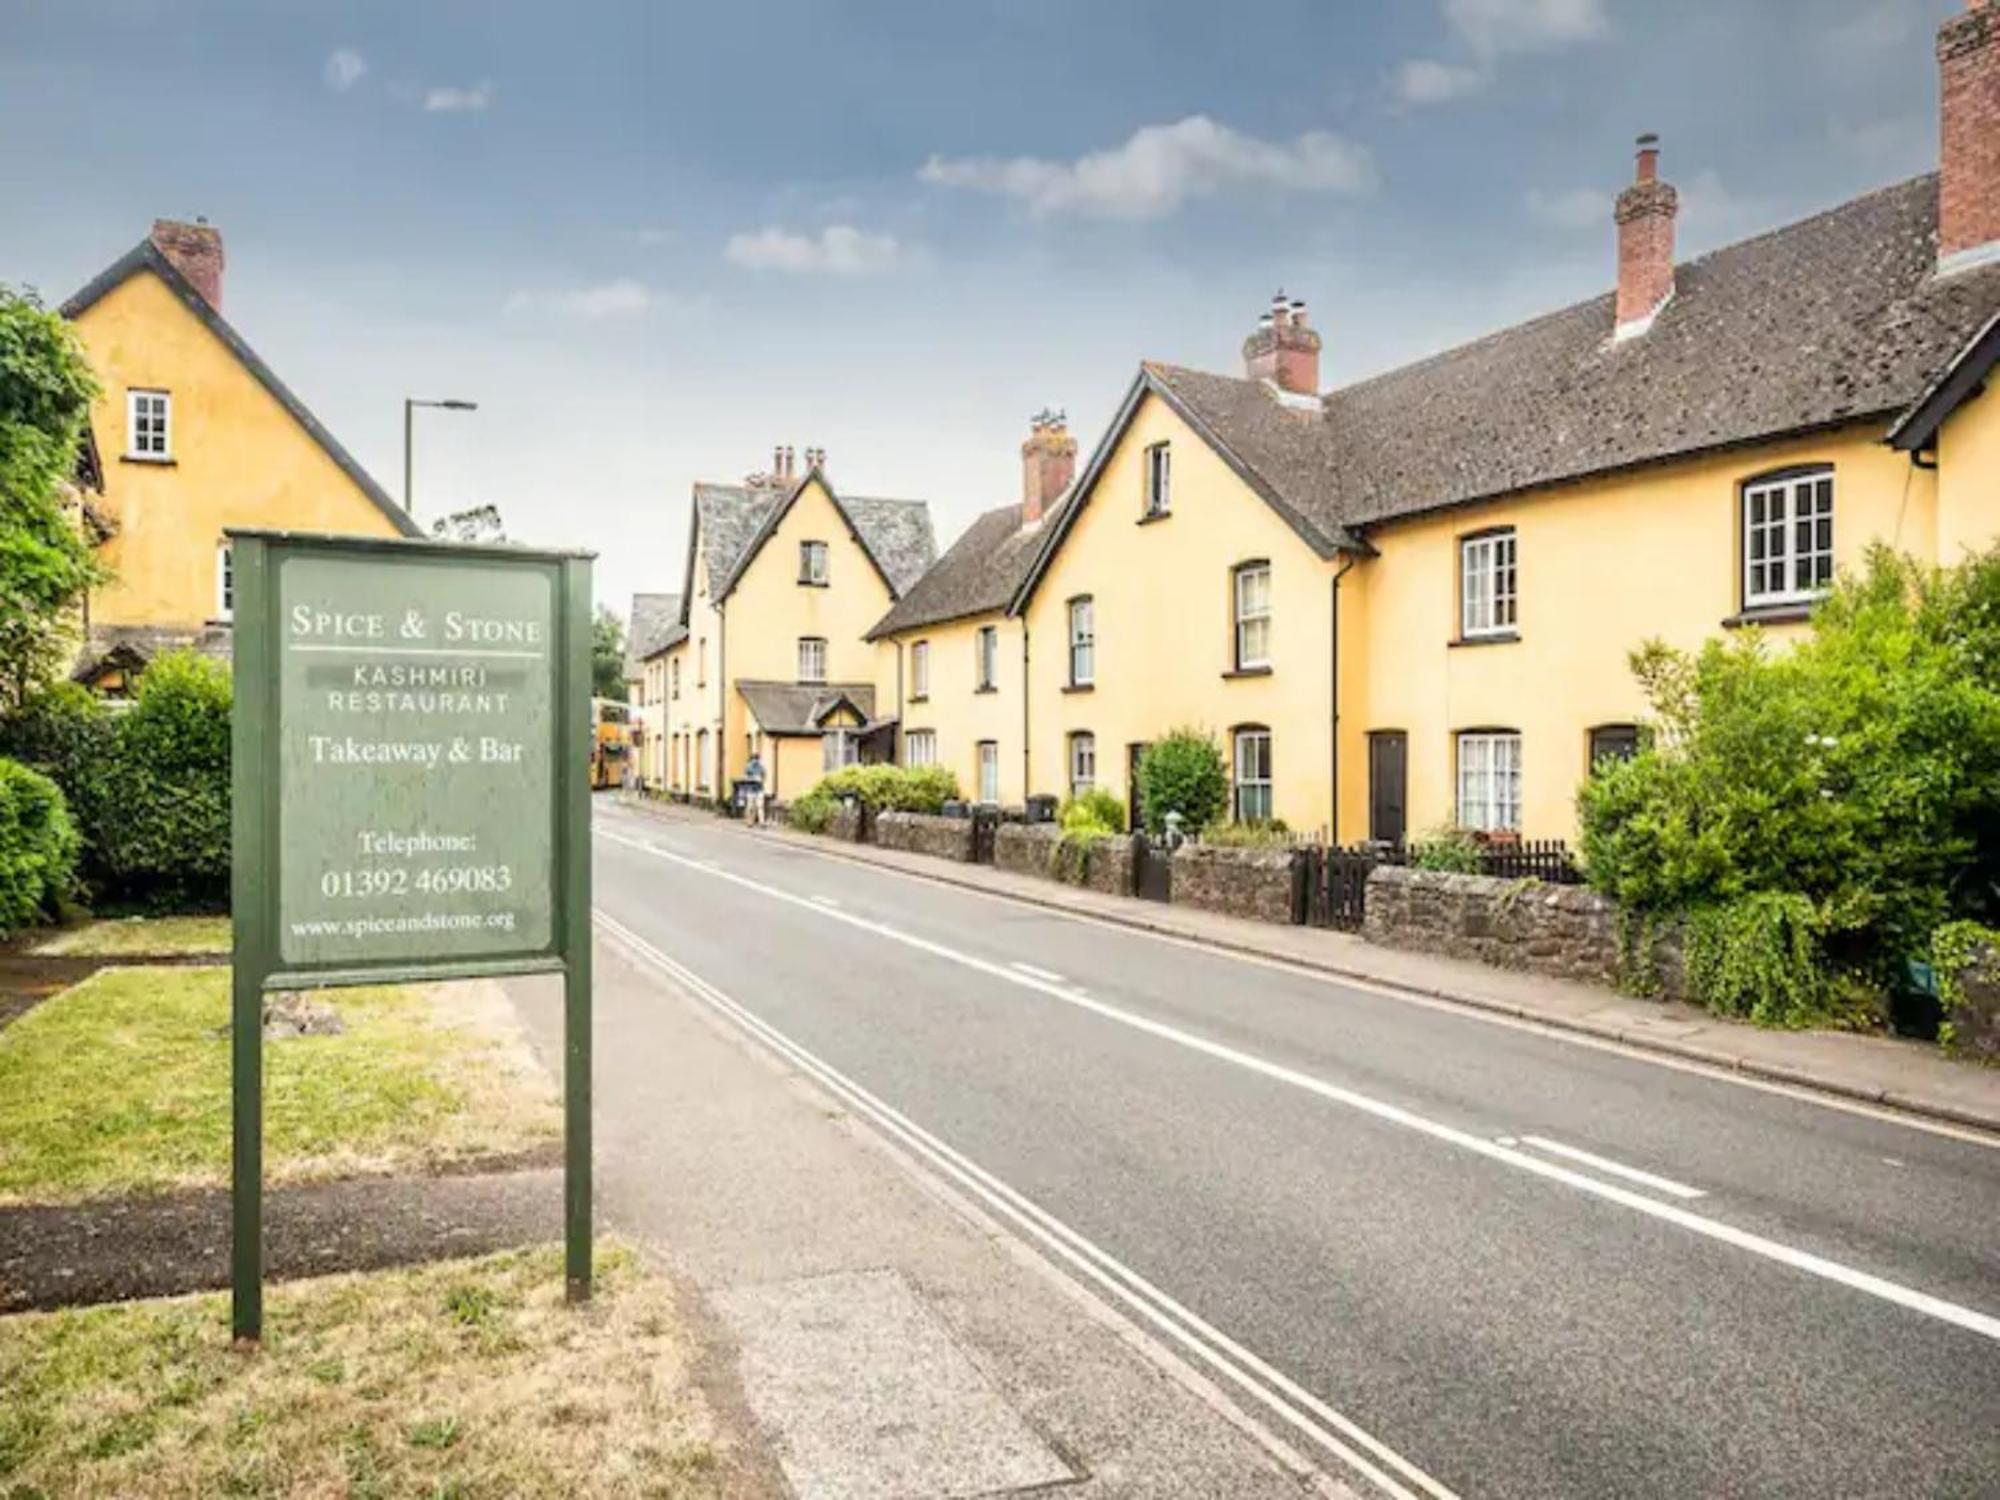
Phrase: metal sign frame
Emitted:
{"points": [[257, 818]]}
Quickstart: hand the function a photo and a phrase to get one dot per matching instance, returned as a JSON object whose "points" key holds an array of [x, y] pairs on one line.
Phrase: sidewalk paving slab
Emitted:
{"points": [[1914, 1077]]}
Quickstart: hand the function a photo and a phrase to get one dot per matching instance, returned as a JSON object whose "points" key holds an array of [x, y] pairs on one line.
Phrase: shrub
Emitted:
{"points": [[1070, 859], [1451, 849], [1182, 772], [1272, 835], [887, 788], [1953, 949], [1095, 810], [38, 847], [1760, 957], [812, 812]]}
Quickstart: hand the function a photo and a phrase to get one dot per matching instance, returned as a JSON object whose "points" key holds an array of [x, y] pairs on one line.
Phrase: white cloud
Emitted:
{"points": [[1160, 168], [838, 250], [621, 299], [655, 235], [344, 67], [1494, 27], [445, 99], [1425, 80], [1576, 208], [1717, 214]]}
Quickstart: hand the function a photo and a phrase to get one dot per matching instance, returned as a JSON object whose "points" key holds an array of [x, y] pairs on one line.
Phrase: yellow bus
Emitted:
{"points": [[610, 742]]}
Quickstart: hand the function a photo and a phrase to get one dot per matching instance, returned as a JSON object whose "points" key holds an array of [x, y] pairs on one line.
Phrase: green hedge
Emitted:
{"points": [[148, 785], [38, 847], [1182, 772], [886, 788]]}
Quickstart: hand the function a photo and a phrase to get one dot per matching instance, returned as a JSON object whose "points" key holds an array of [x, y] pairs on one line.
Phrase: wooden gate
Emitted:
{"points": [[1152, 870]]}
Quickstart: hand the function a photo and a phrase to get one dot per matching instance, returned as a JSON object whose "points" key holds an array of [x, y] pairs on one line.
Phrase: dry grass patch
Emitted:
{"points": [[138, 937], [464, 1378], [121, 1085]]}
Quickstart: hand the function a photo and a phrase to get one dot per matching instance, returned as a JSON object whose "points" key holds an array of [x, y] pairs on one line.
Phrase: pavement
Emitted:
{"points": [[1429, 1249], [1901, 1074]]}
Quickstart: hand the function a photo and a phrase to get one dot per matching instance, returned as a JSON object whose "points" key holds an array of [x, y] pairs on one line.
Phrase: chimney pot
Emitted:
{"points": [[1048, 463], [195, 250], [1968, 53]]}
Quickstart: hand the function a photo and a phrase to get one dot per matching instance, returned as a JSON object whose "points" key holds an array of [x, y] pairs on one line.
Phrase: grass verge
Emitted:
{"points": [[462, 1378], [128, 937], [121, 1085]]}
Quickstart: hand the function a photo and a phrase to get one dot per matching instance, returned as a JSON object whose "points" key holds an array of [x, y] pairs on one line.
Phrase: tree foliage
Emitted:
{"points": [[1182, 772], [45, 563], [607, 655], [38, 847], [1858, 771]]}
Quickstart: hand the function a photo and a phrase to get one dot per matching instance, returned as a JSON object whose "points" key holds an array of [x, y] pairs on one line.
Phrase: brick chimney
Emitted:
{"points": [[1645, 216], [1048, 463], [1284, 350], [1968, 50], [196, 252]]}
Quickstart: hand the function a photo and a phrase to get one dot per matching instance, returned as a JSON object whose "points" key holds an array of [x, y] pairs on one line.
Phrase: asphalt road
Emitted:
{"points": [[1375, 1207]]}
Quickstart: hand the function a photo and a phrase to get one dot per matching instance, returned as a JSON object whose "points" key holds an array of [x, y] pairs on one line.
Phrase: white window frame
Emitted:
{"points": [[1488, 780], [225, 582], [920, 747], [1250, 795], [920, 670], [1773, 511], [812, 562], [986, 657], [812, 658], [1488, 585], [1082, 641], [157, 424], [1082, 762], [1159, 480], [989, 771], [1249, 615]]}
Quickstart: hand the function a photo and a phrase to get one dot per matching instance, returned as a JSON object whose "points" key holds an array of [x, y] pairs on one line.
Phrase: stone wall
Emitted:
{"points": [[1109, 867], [920, 833], [1025, 848], [1564, 931], [1974, 1015], [848, 823], [1253, 883]]}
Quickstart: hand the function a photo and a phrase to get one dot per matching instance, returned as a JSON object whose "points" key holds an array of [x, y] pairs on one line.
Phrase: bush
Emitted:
{"points": [[1451, 849], [812, 812], [1182, 773], [887, 788], [1759, 957], [1272, 835], [38, 847], [1092, 811]]}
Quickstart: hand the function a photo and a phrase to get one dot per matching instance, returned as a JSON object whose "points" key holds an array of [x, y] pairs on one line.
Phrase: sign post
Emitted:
{"points": [[410, 801]]}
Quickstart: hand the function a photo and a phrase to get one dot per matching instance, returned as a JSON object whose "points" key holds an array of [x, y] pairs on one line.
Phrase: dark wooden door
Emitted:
{"points": [[1388, 785]]}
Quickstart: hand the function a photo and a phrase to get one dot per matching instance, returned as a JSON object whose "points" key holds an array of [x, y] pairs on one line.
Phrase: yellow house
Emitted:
{"points": [[957, 665], [783, 578], [196, 434], [654, 618], [1410, 601]]}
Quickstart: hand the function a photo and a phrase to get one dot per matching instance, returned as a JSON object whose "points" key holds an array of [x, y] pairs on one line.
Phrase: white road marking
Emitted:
{"points": [[1617, 1169], [1277, 1391], [1818, 1098], [1045, 974], [825, 901], [1973, 1321]]}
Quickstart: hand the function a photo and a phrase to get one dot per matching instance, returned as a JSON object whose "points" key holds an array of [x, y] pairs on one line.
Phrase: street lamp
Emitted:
{"points": [[410, 404]]}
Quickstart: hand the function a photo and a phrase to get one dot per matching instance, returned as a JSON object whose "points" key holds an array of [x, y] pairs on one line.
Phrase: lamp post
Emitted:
{"points": [[410, 405]]}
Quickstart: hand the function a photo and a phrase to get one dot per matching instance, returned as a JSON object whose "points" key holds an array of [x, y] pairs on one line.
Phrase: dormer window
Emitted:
{"points": [[1787, 538], [812, 563], [1159, 480], [148, 425]]}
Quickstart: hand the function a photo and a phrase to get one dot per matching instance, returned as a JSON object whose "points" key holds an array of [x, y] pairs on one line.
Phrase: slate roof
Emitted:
{"points": [[1834, 319], [977, 576], [727, 517], [146, 256], [796, 707], [653, 616]]}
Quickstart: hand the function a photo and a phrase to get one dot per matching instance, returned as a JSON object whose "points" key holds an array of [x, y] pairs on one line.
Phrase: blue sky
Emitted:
{"points": [[652, 240]]}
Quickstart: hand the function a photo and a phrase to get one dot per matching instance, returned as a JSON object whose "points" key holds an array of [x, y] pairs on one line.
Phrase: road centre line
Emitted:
{"points": [[1865, 1282], [1297, 1406], [1617, 1169], [1715, 1071], [1048, 975]]}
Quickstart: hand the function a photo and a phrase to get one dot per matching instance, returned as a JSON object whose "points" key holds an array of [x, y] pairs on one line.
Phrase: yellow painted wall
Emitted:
{"points": [[1968, 478], [960, 716], [698, 705], [1164, 624], [769, 610], [239, 459], [1603, 566]]}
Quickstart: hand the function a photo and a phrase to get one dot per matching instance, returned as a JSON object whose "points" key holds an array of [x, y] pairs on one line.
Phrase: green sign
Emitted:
{"points": [[410, 791]]}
